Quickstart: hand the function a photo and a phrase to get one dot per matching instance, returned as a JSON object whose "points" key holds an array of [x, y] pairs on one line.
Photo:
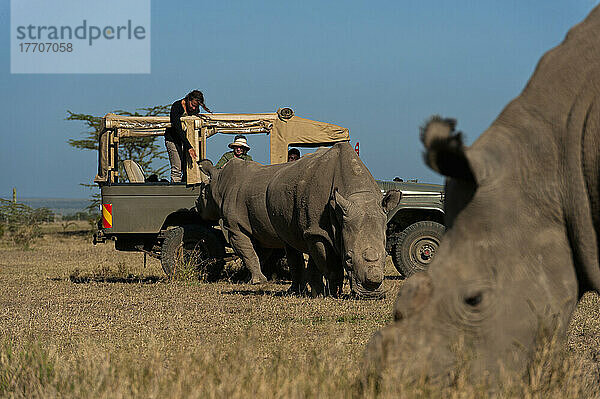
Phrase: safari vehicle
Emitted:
{"points": [[415, 227], [160, 218]]}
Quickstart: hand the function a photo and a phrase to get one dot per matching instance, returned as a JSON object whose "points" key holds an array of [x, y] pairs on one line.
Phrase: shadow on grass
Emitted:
{"points": [[266, 292], [130, 279], [243, 276], [258, 292], [74, 233]]}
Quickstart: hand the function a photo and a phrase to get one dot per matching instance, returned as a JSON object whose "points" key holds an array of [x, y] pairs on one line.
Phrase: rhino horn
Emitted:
{"points": [[413, 296], [370, 254], [341, 202], [445, 152]]}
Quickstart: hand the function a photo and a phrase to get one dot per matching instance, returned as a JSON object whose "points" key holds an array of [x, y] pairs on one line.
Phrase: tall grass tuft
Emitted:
{"points": [[204, 372]]}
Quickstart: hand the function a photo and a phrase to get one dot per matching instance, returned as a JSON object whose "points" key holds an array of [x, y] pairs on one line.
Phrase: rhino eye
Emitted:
{"points": [[474, 300]]}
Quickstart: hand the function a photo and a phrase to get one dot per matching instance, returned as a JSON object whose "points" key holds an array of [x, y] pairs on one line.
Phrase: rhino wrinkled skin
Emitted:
{"points": [[325, 204], [523, 213]]}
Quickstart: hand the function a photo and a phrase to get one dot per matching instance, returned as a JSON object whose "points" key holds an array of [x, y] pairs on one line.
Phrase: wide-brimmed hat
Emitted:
{"points": [[239, 142]]}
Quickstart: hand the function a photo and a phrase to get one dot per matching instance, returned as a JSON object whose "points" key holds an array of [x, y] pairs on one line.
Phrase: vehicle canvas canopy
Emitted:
{"points": [[283, 127]]}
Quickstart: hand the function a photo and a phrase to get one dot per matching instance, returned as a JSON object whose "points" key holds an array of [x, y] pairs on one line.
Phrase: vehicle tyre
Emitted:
{"points": [[192, 248], [416, 246]]}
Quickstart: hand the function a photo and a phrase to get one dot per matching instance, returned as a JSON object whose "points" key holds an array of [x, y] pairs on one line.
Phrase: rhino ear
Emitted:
{"points": [[206, 167], [391, 200], [445, 152]]}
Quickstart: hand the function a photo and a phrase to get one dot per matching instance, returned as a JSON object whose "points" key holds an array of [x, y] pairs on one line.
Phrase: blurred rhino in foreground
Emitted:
{"points": [[325, 204], [523, 217]]}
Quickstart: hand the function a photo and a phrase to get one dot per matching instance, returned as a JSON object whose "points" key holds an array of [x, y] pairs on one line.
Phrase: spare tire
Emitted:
{"points": [[415, 247], [192, 246], [285, 113]]}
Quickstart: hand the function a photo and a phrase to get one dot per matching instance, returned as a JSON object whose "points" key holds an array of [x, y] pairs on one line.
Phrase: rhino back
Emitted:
{"points": [[242, 187]]}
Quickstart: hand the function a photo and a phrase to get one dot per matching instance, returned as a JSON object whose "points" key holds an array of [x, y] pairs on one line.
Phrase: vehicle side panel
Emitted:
{"points": [[143, 208], [417, 196]]}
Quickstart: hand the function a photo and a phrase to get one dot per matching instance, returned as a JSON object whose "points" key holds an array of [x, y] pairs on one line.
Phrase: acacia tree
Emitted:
{"points": [[145, 151], [148, 152]]}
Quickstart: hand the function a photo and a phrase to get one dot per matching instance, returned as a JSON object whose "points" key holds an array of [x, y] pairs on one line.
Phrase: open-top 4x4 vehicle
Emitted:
{"points": [[160, 218]]}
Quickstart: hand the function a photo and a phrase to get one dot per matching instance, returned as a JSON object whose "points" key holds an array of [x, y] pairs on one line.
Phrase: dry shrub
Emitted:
{"points": [[25, 235], [101, 273], [194, 267], [119, 273], [21, 222], [188, 270]]}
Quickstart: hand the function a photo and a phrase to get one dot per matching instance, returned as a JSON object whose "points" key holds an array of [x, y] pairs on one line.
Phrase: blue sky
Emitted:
{"points": [[379, 68]]}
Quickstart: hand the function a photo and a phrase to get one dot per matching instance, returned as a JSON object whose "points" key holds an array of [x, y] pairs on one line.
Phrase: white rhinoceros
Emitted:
{"points": [[325, 204], [523, 217]]}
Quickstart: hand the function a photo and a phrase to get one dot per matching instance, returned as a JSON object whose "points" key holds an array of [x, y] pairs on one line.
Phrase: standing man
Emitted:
{"points": [[175, 138], [239, 149]]}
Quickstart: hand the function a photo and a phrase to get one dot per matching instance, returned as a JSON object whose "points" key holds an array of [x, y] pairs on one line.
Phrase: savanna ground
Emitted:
{"points": [[79, 320]]}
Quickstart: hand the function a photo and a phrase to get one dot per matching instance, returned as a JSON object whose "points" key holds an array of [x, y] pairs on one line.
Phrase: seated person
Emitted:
{"points": [[293, 154], [239, 149]]}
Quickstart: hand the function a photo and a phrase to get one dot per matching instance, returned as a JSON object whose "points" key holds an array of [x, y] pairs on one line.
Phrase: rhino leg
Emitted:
{"points": [[335, 282], [315, 279], [297, 270], [327, 264], [245, 249], [264, 257]]}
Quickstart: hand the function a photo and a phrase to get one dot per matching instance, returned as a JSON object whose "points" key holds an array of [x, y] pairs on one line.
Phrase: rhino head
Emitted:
{"points": [[522, 223], [206, 203], [504, 268], [362, 222]]}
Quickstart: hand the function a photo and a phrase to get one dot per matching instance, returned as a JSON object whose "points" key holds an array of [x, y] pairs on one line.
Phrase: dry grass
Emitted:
{"points": [[85, 321]]}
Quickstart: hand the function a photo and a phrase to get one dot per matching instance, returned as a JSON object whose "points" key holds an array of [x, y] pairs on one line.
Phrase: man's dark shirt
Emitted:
{"points": [[175, 133]]}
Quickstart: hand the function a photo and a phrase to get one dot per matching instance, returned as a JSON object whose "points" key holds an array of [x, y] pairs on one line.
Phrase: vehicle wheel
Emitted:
{"points": [[416, 246], [192, 248]]}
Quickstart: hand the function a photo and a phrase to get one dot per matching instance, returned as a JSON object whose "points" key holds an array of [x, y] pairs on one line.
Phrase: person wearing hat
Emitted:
{"points": [[239, 149], [175, 138]]}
